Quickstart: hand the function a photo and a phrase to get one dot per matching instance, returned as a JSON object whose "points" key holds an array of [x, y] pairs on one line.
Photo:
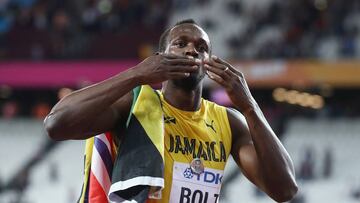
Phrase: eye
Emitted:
{"points": [[180, 44], [203, 48]]}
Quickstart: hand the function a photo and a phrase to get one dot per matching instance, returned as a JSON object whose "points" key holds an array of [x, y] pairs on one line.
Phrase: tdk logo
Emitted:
{"points": [[207, 176], [188, 173]]}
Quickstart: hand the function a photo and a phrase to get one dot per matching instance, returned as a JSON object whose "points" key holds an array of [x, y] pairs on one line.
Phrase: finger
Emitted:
{"points": [[176, 59], [183, 69], [216, 78], [221, 64], [219, 60], [173, 56], [178, 75], [222, 72], [216, 64], [183, 61]]}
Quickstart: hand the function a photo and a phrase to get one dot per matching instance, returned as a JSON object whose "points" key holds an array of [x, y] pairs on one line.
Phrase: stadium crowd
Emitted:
{"points": [[40, 29]]}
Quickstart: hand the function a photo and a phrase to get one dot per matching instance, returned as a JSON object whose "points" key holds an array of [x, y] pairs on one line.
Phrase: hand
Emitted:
{"points": [[162, 67], [232, 80]]}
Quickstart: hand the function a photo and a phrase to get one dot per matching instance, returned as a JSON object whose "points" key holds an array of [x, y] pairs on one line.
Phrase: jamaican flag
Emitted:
{"points": [[137, 166]]}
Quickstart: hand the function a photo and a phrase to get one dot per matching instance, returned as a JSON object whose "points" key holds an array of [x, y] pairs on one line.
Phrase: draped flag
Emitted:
{"points": [[99, 159], [138, 169], [139, 166]]}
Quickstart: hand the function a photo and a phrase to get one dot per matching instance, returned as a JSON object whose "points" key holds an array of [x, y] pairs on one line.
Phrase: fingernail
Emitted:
{"points": [[197, 61], [208, 74], [187, 74], [214, 57], [195, 67]]}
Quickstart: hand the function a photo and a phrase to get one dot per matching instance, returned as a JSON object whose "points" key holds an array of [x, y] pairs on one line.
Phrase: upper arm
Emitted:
{"points": [[243, 150], [75, 125], [115, 116]]}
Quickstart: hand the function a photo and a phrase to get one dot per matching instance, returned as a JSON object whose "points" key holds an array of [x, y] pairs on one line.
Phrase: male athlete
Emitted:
{"points": [[192, 124]]}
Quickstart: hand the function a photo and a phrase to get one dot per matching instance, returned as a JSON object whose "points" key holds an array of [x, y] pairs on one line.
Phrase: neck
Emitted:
{"points": [[187, 100]]}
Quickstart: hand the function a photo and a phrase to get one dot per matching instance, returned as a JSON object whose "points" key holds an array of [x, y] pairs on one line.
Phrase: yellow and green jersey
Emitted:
{"points": [[185, 154], [203, 134]]}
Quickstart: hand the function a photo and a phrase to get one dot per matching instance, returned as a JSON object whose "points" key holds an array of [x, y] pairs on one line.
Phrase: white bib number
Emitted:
{"points": [[188, 187]]}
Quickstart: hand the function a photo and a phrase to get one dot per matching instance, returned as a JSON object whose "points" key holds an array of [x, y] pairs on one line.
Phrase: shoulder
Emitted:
{"points": [[235, 116], [239, 128]]}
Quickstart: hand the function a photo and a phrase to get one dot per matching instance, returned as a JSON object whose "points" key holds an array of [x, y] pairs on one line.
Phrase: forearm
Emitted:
{"points": [[76, 113], [275, 164], [265, 161], [94, 109]]}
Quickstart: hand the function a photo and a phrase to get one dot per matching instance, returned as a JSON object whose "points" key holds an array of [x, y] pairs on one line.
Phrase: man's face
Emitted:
{"points": [[191, 41]]}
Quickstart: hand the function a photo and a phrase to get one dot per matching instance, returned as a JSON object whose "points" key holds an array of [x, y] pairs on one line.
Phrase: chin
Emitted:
{"points": [[190, 83]]}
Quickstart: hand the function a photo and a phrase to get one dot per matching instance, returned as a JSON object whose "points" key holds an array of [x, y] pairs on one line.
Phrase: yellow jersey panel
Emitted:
{"points": [[203, 134]]}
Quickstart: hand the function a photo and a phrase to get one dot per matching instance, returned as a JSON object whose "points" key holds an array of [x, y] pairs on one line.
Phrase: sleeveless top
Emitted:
{"points": [[203, 134]]}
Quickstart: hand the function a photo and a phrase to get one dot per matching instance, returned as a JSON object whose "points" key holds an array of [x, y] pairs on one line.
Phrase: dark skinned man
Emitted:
{"points": [[183, 61]]}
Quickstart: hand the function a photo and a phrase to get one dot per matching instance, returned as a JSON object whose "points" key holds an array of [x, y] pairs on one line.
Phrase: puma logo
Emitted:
{"points": [[168, 119], [210, 125]]}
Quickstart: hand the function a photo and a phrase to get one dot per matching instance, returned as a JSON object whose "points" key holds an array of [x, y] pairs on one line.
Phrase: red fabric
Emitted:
{"points": [[96, 192]]}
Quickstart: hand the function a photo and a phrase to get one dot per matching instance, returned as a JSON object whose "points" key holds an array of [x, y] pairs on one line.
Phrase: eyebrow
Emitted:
{"points": [[198, 40]]}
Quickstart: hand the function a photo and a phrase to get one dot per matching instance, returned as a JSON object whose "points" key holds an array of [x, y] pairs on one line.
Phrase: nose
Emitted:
{"points": [[191, 51]]}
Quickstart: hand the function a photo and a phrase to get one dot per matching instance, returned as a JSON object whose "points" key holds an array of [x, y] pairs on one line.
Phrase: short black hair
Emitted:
{"points": [[165, 34]]}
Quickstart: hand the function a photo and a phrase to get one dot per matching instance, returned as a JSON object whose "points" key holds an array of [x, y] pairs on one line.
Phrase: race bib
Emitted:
{"points": [[188, 187]]}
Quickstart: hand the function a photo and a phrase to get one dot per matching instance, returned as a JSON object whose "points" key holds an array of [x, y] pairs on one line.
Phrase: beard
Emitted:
{"points": [[189, 83]]}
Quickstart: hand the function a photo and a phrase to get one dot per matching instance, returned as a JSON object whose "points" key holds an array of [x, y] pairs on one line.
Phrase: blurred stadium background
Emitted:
{"points": [[300, 58]]}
